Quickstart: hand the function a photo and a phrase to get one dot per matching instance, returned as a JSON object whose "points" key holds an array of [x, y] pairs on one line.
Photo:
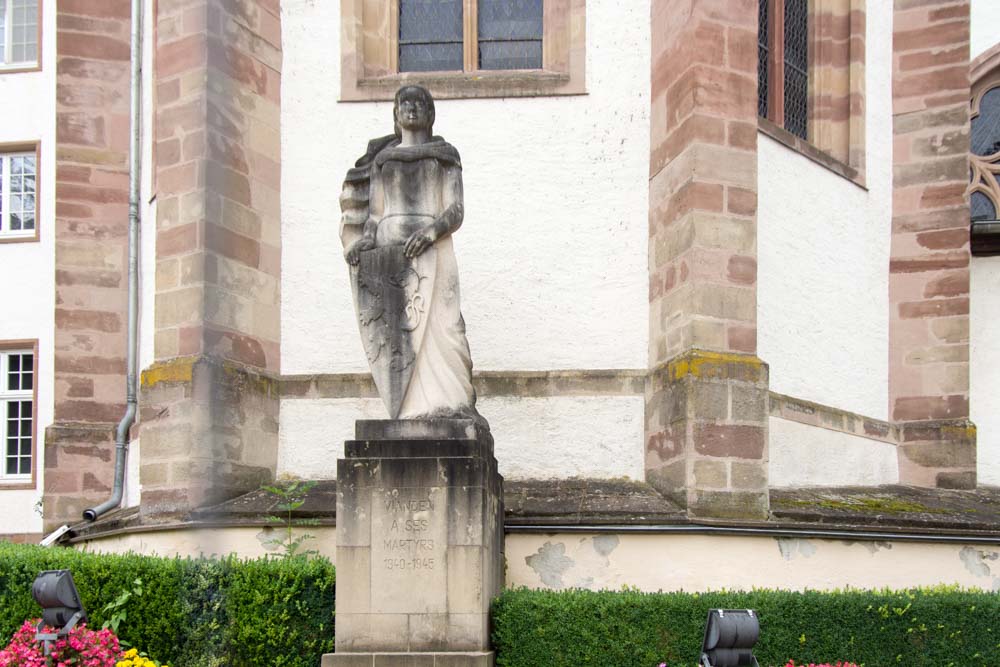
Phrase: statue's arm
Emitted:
{"points": [[376, 206], [448, 222]]}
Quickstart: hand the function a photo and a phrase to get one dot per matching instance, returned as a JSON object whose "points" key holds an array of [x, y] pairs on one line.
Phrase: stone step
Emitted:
{"points": [[422, 448]]}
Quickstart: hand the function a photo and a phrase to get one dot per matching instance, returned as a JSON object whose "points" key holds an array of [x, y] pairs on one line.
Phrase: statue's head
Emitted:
{"points": [[414, 108]]}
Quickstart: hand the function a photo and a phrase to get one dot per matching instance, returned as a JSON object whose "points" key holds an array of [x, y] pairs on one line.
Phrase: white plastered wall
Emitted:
{"points": [[984, 371], [823, 257], [552, 253], [27, 270], [551, 437], [985, 25], [803, 455], [984, 316]]}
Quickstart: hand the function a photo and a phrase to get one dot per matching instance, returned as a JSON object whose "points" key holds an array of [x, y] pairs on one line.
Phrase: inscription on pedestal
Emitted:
{"points": [[409, 550]]}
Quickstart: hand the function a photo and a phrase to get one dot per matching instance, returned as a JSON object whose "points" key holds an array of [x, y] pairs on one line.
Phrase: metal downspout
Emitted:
{"points": [[135, 161]]}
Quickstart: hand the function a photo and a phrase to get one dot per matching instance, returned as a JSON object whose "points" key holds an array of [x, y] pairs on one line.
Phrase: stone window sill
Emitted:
{"points": [[464, 85], [799, 145]]}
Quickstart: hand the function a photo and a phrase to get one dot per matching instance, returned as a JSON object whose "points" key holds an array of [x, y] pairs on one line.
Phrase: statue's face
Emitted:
{"points": [[413, 113]]}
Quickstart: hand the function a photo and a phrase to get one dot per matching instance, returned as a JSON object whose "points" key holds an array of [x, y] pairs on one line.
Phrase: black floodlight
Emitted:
{"points": [[730, 635], [56, 593]]}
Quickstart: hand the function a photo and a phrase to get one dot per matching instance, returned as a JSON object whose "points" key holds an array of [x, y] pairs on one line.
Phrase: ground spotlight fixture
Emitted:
{"points": [[730, 635], [56, 593]]}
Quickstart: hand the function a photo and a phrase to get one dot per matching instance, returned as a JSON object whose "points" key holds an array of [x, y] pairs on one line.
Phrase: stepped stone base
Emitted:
{"points": [[419, 544], [408, 660]]}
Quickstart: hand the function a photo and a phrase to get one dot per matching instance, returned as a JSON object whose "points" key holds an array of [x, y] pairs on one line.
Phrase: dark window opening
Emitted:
{"points": [[783, 64]]}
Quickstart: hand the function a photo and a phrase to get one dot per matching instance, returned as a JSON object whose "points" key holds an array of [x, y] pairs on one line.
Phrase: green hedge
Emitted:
{"points": [[193, 612], [925, 627]]}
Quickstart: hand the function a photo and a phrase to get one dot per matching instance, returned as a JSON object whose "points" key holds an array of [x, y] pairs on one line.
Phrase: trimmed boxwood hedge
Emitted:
{"points": [[193, 612], [924, 627]]}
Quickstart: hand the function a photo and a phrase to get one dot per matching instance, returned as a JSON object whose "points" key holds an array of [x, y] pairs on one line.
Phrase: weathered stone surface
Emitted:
{"points": [[470, 659], [420, 532], [401, 203]]}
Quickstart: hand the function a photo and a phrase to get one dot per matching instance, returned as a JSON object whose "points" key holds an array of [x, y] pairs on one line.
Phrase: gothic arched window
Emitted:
{"points": [[984, 164]]}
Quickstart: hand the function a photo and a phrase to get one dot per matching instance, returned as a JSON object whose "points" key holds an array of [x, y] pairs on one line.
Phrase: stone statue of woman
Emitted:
{"points": [[401, 203]]}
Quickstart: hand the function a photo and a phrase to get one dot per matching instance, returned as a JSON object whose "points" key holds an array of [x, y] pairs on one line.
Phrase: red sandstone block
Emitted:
{"points": [[742, 135], [179, 240], [934, 308], [742, 270], [167, 92], [949, 285], [182, 55], [930, 262], [227, 183], [73, 211], [88, 411], [695, 128], [178, 179], [741, 49], [232, 245], [727, 440], [947, 239], [94, 47], [933, 58], [740, 201], [228, 152], [91, 320], [932, 82], [91, 194], [936, 35], [742, 339], [959, 10], [230, 345], [81, 128], [91, 365], [922, 408], [168, 152], [120, 9], [178, 119]]}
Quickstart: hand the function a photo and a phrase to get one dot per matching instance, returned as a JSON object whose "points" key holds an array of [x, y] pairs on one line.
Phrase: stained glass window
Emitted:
{"points": [[510, 34], [796, 66], [430, 35], [783, 63], [985, 158], [16, 412], [433, 35]]}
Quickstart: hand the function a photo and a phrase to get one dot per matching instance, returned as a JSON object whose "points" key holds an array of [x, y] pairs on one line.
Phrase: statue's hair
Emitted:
{"points": [[420, 91]]}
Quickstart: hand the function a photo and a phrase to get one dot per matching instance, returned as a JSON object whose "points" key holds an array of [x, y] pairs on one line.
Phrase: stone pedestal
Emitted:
{"points": [[419, 545]]}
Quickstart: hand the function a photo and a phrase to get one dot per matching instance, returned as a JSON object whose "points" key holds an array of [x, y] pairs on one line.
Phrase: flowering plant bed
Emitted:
{"points": [[83, 646]]}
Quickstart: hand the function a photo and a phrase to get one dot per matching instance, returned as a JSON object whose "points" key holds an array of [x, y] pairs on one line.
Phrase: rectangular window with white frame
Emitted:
{"points": [[19, 34], [18, 194], [17, 410]]}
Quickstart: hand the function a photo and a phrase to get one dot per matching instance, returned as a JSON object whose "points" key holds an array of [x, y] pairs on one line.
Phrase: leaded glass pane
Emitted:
{"points": [[510, 34], [763, 35], [24, 33], [3, 31], [986, 126], [430, 35], [981, 208], [797, 66]]}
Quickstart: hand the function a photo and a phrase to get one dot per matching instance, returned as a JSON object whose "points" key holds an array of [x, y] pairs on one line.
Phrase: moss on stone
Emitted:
{"points": [[867, 505]]}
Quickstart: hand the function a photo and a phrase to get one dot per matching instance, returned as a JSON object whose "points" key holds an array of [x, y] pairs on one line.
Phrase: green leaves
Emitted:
{"points": [[917, 628], [190, 612], [291, 495]]}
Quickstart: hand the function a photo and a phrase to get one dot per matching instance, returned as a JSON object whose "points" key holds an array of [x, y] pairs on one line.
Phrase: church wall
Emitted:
{"points": [[984, 334], [536, 437], [552, 253], [27, 269], [984, 373], [707, 562], [823, 253]]}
